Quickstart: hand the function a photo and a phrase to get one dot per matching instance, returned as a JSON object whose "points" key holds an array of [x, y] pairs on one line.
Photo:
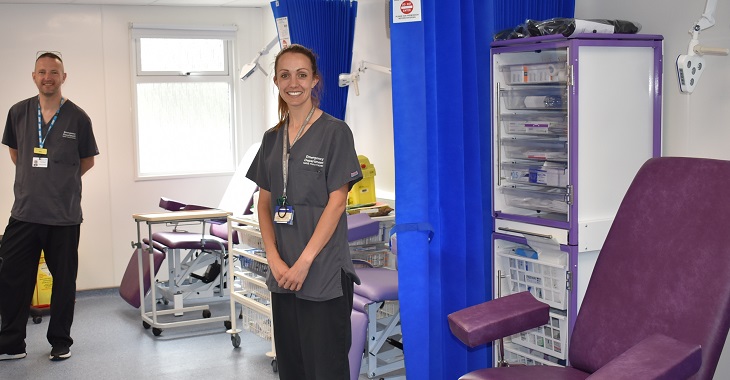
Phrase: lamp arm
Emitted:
{"points": [[708, 17], [273, 41], [364, 65]]}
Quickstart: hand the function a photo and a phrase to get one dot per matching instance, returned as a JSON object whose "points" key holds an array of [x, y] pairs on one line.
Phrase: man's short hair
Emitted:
{"points": [[48, 54]]}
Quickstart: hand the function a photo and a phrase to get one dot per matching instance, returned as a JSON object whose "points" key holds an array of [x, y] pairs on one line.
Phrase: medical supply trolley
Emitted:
{"points": [[573, 119], [249, 279]]}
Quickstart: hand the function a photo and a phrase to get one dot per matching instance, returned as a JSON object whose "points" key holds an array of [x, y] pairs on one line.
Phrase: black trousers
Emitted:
{"points": [[21, 251], [313, 338]]}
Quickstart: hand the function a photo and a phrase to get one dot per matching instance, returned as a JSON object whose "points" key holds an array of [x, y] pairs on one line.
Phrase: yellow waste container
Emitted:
{"points": [[364, 191], [43, 285]]}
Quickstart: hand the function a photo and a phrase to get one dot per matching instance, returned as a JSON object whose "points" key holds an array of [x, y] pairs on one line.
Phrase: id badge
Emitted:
{"points": [[284, 215], [40, 162]]}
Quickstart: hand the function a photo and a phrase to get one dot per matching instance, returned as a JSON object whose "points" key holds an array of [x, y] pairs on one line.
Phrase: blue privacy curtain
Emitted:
{"points": [[441, 121], [328, 28]]}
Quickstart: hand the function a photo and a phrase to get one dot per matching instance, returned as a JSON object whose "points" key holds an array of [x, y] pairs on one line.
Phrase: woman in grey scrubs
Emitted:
{"points": [[305, 167]]}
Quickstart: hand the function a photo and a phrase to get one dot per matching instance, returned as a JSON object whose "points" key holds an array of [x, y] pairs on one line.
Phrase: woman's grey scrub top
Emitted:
{"points": [[320, 162]]}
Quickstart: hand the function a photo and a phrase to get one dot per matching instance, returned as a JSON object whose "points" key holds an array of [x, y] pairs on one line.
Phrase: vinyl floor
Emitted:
{"points": [[111, 343]]}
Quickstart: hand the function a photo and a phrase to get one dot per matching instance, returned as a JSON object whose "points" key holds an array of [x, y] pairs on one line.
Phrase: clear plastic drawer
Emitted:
{"points": [[535, 73], [540, 124], [549, 173], [534, 98], [535, 149], [553, 199]]}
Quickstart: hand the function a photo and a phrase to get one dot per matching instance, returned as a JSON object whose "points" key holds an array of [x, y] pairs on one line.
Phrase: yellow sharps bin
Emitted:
{"points": [[364, 191]]}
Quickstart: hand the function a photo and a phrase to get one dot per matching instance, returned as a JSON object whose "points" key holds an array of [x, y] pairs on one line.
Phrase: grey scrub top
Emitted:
{"points": [[50, 195], [321, 162]]}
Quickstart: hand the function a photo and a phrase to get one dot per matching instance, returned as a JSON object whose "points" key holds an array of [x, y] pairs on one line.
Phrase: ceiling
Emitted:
{"points": [[192, 3]]}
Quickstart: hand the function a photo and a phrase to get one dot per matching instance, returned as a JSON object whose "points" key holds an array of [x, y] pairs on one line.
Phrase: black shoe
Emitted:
{"points": [[60, 353], [19, 355]]}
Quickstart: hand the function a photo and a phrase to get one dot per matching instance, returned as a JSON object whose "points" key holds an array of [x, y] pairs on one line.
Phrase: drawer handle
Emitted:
{"points": [[525, 232]]}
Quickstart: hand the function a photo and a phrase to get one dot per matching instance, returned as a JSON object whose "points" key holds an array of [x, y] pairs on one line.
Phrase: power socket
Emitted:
{"points": [[689, 70]]}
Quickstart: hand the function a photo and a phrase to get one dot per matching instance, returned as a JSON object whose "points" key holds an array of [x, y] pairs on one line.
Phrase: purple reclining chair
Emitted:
{"points": [[658, 302]]}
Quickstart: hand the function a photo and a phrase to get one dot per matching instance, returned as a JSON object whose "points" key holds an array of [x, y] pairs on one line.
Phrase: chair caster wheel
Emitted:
{"points": [[235, 340]]}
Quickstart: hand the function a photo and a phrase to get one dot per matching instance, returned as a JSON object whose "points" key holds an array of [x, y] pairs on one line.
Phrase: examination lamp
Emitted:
{"points": [[250, 67], [347, 79], [691, 65]]}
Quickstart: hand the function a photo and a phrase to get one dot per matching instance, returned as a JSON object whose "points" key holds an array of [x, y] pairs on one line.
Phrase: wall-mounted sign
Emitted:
{"points": [[406, 11]]}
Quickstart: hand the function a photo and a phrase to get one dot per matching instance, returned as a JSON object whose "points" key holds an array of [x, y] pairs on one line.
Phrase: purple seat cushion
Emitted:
{"points": [[526, 373], [377, 284], [656, 357], [664, 266], [188, 240]]}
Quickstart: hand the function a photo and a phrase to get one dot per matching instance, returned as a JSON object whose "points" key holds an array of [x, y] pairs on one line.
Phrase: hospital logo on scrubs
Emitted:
{"points": [[69, 135], [313, 161]]}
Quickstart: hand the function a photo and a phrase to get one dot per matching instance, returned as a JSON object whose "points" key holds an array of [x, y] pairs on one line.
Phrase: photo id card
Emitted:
{"points": [[40, 162], [284, 215]]}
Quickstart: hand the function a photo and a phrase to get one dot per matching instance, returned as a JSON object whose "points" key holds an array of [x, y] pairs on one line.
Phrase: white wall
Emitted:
{"points": [[693, 125], [95, 44], [370, 115]]}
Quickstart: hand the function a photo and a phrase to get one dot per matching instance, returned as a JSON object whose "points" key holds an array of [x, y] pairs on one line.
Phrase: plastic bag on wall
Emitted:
{"points": [[567, 27]]}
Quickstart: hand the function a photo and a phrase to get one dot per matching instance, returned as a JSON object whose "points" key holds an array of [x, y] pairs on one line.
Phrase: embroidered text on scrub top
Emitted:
{"points": [[313, 161]]}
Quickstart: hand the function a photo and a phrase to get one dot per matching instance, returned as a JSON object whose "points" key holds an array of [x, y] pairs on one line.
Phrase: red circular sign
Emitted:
{"points": [[406, 7]]}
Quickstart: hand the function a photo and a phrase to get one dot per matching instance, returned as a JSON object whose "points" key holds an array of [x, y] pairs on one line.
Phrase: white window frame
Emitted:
{"points": [[227, 75]]}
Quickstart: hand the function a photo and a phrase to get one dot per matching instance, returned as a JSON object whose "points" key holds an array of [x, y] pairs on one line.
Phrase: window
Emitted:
{"points": [[184, 101]]}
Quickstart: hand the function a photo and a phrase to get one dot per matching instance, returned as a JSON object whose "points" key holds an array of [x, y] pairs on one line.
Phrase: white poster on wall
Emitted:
{"points": [[406, 11]]}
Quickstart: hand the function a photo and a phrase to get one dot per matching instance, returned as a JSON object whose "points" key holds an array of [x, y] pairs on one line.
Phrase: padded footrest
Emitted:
{"points": [[129, 287]]}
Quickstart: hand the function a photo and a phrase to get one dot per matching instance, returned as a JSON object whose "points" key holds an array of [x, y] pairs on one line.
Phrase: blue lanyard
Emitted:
{"points": [[41, 139]]}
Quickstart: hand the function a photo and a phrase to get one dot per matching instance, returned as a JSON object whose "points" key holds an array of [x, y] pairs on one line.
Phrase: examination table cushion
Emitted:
{"points": [[361, 226], [377, 284]]}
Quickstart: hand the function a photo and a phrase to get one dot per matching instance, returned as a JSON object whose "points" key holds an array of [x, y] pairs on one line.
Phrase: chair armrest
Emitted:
{"points": [[657, 357], [498, 318]]}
